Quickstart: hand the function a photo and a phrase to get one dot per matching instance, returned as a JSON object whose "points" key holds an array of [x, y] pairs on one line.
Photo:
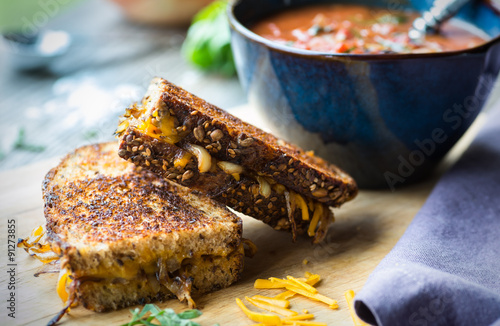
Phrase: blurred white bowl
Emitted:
{"points": [[162, 12]]}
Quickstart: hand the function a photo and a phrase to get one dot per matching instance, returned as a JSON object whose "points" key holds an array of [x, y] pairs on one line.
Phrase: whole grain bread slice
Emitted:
{"points": [[228, 138], [176, 135], [128, 236]]}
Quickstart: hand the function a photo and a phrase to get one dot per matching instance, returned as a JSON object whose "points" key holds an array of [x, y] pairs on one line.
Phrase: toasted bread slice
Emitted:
{"points": [[176, 116], [185, 139], [127, 236]]}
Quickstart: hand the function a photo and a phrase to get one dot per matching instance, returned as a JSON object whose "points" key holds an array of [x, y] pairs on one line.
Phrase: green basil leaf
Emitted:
{"points": [[208, 42]]}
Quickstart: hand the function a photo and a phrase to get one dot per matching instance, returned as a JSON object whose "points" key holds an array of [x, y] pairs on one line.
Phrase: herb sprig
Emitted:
{"points": [[208, 42], [151, 315], [21, 144]]}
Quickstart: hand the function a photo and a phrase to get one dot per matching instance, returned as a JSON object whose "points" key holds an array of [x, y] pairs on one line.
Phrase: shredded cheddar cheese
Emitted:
{"points": [[273, 301], [315, 296], [276, 283], [266, 284], [36, 245], [312, 279], [165, 129], [183, 160], [318, 211], [148, 128], [302, 284], [284, 295], [349, 297], [321, 215], [122, 126], [62, 284], [310, 204], [304, 323], [281, 282], [305, 316], [258, 317], [280, 305], [272, 308], [300, 203]]}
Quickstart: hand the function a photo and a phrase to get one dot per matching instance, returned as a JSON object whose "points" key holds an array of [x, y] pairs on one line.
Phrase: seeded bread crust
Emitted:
{"points": [[112, 223], [228, 138], [242, 195]]}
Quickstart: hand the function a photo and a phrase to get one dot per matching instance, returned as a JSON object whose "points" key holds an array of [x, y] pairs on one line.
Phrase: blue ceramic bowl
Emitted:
{"points": [[386, 119]]}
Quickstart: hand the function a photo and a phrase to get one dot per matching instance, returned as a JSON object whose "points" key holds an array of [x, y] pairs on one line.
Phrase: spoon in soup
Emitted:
{"points": [[430, 20]]}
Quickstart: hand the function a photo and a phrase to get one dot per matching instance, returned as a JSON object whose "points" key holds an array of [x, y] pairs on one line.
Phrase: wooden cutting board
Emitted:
{"points": [[365, 230]]}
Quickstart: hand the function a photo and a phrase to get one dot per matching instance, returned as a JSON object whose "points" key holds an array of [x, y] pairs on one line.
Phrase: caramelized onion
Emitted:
{"points": [[204, 158], [230, 168], [264, 187]]}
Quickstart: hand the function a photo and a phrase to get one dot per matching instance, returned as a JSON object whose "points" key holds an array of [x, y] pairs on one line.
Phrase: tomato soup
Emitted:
{"points": [[358, 29]]}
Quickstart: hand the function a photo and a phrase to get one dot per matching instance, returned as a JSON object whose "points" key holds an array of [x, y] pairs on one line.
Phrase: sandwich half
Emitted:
{"points": [[126, 236], [182, 138]]}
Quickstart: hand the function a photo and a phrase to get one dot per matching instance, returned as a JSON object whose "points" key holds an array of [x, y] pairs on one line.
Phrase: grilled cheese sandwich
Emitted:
{"points": [[184, 139], [126, 236]]}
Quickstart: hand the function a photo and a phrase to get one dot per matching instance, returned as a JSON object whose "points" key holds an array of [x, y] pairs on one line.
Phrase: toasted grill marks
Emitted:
{"points": [[112, 194], [115, 207], [117, 226]]}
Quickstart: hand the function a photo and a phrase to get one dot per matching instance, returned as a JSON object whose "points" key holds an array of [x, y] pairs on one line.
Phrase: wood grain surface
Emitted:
{"points": [[364, 232]]}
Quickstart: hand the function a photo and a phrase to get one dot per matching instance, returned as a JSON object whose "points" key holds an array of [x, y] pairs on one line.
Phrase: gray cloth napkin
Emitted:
{"points": [[445, 270]]}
